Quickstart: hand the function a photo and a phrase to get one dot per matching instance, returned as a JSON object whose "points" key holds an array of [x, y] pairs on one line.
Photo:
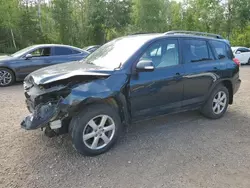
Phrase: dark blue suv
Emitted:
{"points": [[129, 79]]}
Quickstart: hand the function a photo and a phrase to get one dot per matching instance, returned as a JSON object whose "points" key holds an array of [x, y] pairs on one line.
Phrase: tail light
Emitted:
{"points": [[236, 61]]}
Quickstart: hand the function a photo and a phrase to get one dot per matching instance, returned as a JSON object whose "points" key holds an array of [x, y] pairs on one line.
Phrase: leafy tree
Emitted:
{"points": [[87, 22]]}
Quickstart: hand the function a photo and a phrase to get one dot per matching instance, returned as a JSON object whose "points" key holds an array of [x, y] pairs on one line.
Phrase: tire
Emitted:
{"points": [[248, 63], [210, 110], [7, 73], [80, 128]]}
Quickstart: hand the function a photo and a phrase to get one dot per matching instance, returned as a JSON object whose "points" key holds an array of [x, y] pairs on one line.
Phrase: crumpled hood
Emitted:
{"points": [[66, 70]]}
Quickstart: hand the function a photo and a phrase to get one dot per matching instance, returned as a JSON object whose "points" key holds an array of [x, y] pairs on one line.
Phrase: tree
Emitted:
{"points": [[147, 15], [9, 16], [88, 22]]}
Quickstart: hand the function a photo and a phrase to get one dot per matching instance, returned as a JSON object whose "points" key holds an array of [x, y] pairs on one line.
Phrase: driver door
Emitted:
{"points": [[160, 91], [40, 58]]}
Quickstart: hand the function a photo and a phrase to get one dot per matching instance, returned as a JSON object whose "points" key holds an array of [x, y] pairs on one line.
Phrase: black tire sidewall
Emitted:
{"points": [[80, 121], [208, 108], [12, 77]]}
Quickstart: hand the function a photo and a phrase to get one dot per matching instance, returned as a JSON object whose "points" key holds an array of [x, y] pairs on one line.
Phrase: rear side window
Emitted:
{"points": [[196, 51], [62, 51], [222, 50]]}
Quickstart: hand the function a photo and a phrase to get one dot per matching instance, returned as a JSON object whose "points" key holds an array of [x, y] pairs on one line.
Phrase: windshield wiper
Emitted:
{"points": [[120, 65]]}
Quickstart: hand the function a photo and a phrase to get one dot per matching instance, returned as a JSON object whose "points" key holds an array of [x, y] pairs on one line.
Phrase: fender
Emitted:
{"points": [[99, 91]]}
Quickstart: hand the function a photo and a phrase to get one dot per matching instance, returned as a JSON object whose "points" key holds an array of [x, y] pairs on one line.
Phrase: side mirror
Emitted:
{"points": [[28, 56], [145, 66], [238, 52]]}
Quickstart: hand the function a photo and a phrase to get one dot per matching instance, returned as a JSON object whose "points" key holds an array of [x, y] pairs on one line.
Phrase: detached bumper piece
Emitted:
{"points": [[41, 116]]}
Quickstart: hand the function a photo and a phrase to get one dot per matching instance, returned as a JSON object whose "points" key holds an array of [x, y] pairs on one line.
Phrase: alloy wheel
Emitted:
{"points": [[219, 102], [5, 78], [99, 132]]}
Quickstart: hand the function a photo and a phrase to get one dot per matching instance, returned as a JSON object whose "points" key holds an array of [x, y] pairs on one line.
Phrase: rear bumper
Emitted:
{"points": [[237, 84]]}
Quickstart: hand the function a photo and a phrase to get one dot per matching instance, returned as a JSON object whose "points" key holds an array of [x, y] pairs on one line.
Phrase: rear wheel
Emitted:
{"points": [[217, 103], [95, 130], [7, 77]]}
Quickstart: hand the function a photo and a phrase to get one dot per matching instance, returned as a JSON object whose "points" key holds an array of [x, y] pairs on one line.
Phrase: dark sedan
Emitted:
{"points": [[17, 66]]}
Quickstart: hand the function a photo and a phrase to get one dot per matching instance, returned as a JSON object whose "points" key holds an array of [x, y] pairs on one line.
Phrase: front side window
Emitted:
{"points": [[40, 52], [163, 53], [62, 51], [196, 51]]}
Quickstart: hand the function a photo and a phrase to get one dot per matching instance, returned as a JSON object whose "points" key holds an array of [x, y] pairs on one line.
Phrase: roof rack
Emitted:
{"points": [[194, 33]]}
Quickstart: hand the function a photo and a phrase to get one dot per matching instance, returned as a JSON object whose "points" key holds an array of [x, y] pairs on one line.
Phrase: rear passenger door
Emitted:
{"points": [[64, 54], [201, 70]]}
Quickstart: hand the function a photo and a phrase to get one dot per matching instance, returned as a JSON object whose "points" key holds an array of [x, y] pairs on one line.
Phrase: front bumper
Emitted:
{"points": [[41, 116]]}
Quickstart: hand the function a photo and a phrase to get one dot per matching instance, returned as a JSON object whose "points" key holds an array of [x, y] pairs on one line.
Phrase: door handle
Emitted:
{"points": [[177, 76]]}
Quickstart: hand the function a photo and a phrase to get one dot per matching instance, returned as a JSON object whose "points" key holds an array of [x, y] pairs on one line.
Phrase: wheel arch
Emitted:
{"points": [[228, 84], [119, 103]]}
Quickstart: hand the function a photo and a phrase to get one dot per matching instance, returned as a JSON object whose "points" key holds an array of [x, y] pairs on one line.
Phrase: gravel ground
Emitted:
{"points": [[182, 150]]}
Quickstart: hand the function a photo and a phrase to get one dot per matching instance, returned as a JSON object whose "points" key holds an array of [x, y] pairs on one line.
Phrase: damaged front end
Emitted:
{"points": [[41, 116], [46, 102]]}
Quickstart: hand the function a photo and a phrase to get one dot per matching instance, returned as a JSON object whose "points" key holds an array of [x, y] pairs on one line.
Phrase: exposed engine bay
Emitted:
{"points": [[53, 103]]}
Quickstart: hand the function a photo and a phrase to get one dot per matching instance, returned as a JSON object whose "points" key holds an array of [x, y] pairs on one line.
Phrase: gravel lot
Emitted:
{"points": [[183, 150]]}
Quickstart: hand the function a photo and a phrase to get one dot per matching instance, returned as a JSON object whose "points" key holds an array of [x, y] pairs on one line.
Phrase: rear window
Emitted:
{"points": [[75, 51], [222, 50]]}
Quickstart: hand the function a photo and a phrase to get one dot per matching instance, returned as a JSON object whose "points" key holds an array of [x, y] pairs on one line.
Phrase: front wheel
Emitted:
{"points": [[217, 103], [95, 130], [7, 77]]}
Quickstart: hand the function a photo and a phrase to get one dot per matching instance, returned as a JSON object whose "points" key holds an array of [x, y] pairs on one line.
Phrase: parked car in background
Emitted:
{"points": [[17, 66], [91, 49], [157, 74], [242, 53]]}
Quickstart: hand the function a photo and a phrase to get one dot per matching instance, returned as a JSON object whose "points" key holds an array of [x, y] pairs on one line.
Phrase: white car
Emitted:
{"points": [[242, 54]]}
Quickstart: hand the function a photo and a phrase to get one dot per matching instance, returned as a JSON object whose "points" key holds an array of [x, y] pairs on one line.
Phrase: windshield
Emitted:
{"points": [[116, 52], [22, 52]]}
